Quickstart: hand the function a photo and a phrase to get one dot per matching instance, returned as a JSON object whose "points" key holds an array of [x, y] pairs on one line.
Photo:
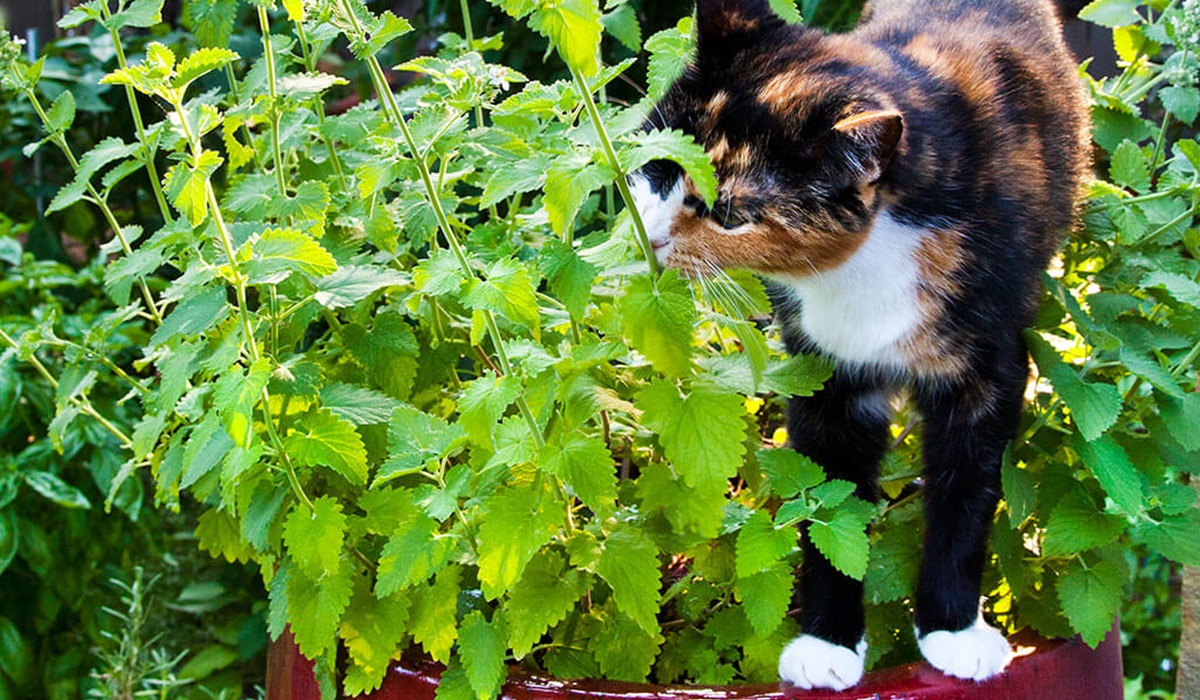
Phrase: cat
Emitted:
{"points": [[901, 188]]}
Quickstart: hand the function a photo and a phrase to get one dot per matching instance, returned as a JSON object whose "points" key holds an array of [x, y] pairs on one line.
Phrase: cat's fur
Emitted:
{"points": [[903, 187]]}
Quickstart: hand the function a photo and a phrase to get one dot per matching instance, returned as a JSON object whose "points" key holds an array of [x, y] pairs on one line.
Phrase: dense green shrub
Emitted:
{"points": [[417, 363]]}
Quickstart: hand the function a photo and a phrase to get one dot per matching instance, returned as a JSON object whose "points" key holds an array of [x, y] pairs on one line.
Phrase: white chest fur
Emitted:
{"points": [[863, 311]]}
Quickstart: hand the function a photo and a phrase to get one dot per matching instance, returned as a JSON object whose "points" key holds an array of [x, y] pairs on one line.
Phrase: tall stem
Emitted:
{"points": [[265, 23]]}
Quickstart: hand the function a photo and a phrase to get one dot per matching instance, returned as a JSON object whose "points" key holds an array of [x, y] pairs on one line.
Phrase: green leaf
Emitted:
{"points": [[541, 599], [625, 650], [517, 522], [278, 252], [237, 394], [789, 472], [323, 439], [1183, 102], [574, 27], [761, 545], [414, 438], [187, 185], [843, 541], [372, 630], [207, 445], [199, 63], [139, 13], [570, 276], [508, 291], [674, 145], [1174, 538], [584, 464], [1077, 524], [481, 650], [10, 538], [1182, 418], [439, 274], [211, 21], [62, 113], [55, 489], [314, 539], [433, 614], [1111, 13], [1094, 406], [351, 284], [217, 533], [622, 23], [483, 402], [415, 552], [702, 433], [1112, 467], [787, 10], [1181, 287], [688, 509], [81, 14], [358, 404], [315, 607], [1020, 491], [1090, 598], [629, 565], [1129, 167], [670, 52], [765, 597], [569, 181], [658, 318]]}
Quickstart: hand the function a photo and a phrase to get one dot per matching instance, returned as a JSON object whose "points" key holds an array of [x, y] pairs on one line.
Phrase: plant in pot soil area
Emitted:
{"points": [[419, 363]]}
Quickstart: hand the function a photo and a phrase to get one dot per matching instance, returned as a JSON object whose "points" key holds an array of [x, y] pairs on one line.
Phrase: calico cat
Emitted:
{"points": [[902, 188]]}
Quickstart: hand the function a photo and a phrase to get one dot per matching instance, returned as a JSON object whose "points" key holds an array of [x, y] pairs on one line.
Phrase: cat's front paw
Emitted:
{"points": [[976, 653], [809, 662]]}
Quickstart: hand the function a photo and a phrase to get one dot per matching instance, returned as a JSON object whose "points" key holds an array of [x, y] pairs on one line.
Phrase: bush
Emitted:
{"points": [[418, 364]]}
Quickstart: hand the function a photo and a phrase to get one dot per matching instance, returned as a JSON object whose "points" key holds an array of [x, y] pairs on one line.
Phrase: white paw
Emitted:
{"points": [[976, 653], [808, 662]]}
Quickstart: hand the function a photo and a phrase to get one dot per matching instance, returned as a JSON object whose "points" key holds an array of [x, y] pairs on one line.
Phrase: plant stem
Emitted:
{"points": [[611, 155], [310, 64], [265, 23]]}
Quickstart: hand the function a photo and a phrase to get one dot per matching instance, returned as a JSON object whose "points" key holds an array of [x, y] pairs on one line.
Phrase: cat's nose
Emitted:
{"points": [[659, 243]]}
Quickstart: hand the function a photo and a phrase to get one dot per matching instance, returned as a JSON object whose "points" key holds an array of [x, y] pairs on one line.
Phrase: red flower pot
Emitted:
{"points": [[1042, 670]]}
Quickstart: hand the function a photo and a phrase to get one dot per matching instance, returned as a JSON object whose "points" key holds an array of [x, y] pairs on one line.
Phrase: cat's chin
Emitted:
{"points": [[975, 653], [809, 662]]}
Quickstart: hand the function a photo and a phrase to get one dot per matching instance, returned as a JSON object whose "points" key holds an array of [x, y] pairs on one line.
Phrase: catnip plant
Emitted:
{"points": [[419, 364]]}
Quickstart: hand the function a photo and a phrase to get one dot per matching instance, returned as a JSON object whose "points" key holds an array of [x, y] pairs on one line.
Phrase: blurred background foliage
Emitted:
{"points": [[116, 604]]}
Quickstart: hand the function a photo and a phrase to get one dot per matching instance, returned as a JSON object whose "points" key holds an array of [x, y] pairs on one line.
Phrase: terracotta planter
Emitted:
{"points": [[1043, 670]]}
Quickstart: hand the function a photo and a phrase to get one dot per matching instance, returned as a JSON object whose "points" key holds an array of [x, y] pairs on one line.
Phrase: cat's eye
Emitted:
{"points": [[730, 217]]}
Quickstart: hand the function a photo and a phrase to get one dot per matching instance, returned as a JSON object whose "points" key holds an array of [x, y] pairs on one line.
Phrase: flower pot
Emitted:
{"points": [[1042, 670]]}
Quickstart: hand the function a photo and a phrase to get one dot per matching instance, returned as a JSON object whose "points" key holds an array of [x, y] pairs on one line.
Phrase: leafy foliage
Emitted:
{"points": [[416, 362]]}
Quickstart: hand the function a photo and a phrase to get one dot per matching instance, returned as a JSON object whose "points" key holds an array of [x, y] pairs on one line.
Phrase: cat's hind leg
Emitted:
{"points": [[967, 426], [843, 428]]}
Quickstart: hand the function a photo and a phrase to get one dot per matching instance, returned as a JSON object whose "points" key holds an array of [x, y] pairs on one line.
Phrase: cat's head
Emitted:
{"points": [[800, 139]]}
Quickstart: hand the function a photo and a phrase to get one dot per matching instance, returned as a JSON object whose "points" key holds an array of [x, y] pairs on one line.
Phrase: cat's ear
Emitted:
{"points": [[868, 140], [733, 21]]}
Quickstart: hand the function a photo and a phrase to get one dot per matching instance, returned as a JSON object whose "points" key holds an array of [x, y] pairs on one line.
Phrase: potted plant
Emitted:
{"points": [[419, 362]]}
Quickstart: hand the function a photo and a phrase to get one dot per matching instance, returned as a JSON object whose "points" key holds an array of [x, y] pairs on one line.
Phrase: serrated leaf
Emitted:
{"points": [[507, 291], [787, 10], [629, 565], [670, 51], [673, 145], [843, 541], [622, 23], [765, 597], [1094, 406], [199, 63], [192, 315], [517, 522], [1182, 418], [585, 465], [414, 438], [1174, 538], [139, 13], [481, 650], [217, 533], [414, 552], [1112, 467], [1077, 524], [1111, 13], [625, 651], [315, 607], [1183, 102], [351, 284], [433, 622], [314, 538], [761, 545], [570, 179], [574, 27], [206, 446], [702, 433], [658, 319], [61, 114], [483, 402], [1183, 288], [358, 404], [236, 394], [211, 21], [323, 439], [789, 472], [278, 252], [688, 509], [541, 599], [570, 276], [372, 630], [1090, 598], [187, 185], [1129, 166]]}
